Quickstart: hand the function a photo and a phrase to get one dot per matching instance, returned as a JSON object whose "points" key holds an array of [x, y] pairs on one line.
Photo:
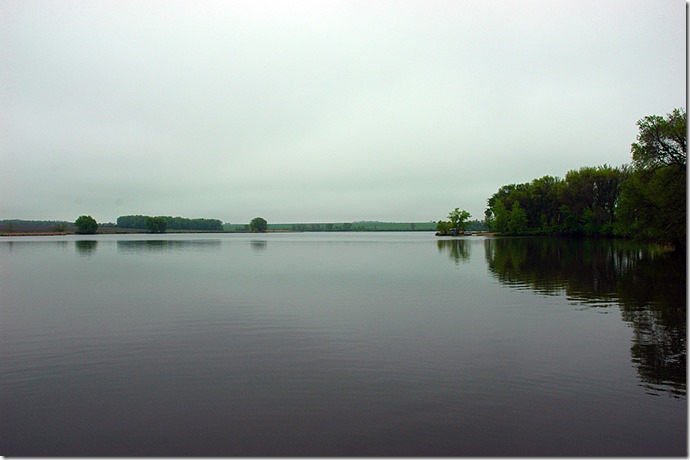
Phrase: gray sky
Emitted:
{"points": [[317, 111]]}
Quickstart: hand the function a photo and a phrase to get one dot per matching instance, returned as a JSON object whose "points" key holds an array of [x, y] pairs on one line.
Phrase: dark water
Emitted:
{"points": [[390, 344]]}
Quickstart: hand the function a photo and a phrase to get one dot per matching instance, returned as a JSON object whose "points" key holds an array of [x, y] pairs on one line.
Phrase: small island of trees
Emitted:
{"points": [[456, 225]]}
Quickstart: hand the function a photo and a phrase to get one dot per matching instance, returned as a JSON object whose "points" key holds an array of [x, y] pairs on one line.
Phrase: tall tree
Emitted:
{"points": [[653, 203], [661, 141], [86, 225], [517, 222], [458, 219], [258, 224]]}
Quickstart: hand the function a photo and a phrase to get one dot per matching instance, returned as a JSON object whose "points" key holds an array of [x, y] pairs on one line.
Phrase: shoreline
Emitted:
{"points": [[192, 232], [115, 232]]}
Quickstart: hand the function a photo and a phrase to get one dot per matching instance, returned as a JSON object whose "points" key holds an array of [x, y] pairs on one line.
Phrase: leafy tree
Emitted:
{"points": [[543, 203], [501, 202], [591, 196], [458, 219], [499, 222], [569, 224], [661, 141], [138, 221], [589, 222], [258, 224], [653, 203], [517, 222], [86, 225], [443, 227], [456, 225], [156, 224], [552, 205]]}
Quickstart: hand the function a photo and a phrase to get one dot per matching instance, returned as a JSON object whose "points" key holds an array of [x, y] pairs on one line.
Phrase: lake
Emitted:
{"points": [[323, 344]]}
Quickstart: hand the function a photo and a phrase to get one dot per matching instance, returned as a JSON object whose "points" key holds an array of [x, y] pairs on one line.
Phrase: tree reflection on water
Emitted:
{"points": [[646, 282], [458, 249], [152, 246], [86, 247]]}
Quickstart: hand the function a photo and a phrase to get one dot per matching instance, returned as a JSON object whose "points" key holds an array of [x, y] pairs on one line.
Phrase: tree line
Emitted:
{"points": [[159, 224], [21, 225], [358, 226], [644, 200]]}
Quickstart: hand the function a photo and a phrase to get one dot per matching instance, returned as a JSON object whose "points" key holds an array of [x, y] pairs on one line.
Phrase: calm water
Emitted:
{"points": [[340, 344]]}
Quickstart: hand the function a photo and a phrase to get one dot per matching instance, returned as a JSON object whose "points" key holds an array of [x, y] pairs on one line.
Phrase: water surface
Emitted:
{"points": [[340, 344]]}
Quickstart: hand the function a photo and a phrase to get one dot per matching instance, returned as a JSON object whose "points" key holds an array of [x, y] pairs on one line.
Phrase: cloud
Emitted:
{"points": [[319, 110]]}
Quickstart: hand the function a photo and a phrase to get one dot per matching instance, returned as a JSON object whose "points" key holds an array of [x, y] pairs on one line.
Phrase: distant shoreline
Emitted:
{"points": [[116, 232], [178, 232], [37, 234]]}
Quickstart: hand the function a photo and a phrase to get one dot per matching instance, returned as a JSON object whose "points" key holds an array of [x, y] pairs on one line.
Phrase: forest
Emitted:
{"points": [[171, 223], [644, 200]]}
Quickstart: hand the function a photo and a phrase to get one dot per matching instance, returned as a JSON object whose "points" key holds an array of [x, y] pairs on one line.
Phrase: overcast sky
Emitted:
{"points": [[319, 111]]}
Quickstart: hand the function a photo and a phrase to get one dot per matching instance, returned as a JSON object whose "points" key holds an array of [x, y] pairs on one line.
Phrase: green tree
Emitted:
{"points": [[589, 222], [569, 224], [86, 225], [156, 224], [661, 141], [517, 222], [458, 219], [443, 227], [499, 221], [653, 203], [138, 221], [543, 203], [258, 224], [591, 196]]}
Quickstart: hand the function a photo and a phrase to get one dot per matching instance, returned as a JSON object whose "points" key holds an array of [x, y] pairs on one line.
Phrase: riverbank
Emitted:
{"points": [[469, 234]]}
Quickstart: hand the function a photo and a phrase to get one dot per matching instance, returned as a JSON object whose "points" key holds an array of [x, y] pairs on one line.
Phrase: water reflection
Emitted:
{"points": [[647, 283], [86, 247], [653, 300], [258, 246], [458, 249], [152, 246], [25, 243]]}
